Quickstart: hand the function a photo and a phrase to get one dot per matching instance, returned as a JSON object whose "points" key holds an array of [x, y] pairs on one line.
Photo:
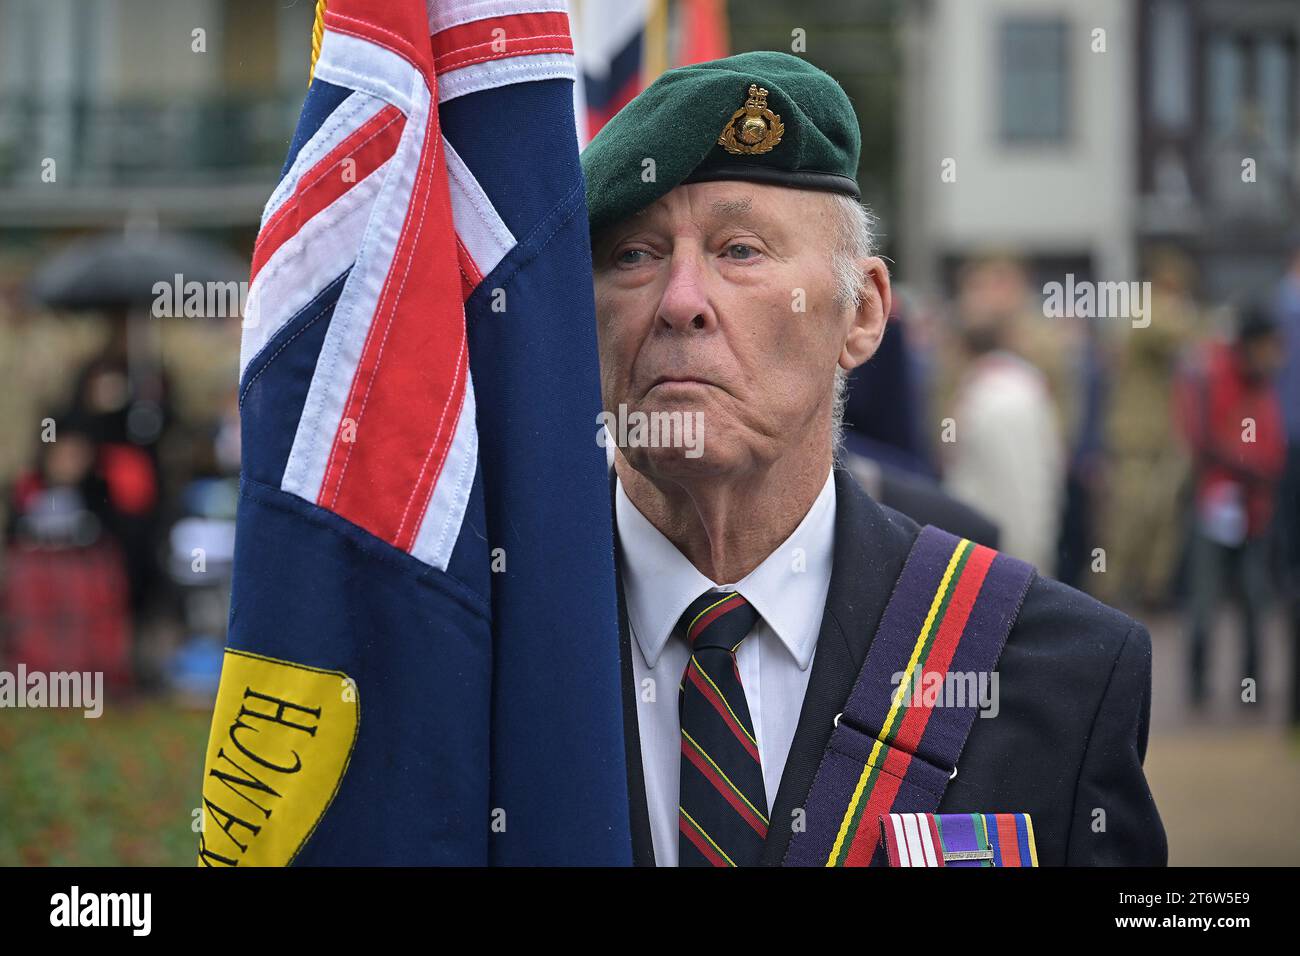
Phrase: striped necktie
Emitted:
{"points": [[722, 808]]}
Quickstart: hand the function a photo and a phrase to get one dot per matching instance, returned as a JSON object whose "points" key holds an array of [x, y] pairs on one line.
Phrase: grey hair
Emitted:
{"points": [[855, 240], [838, 404]]}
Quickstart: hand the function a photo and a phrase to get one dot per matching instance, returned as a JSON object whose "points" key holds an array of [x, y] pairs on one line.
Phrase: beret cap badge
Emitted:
{"points": [[753, 128]]}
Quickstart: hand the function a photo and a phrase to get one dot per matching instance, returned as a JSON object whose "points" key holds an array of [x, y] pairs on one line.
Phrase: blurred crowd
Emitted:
{"points": [[1154, 463], [119, 470], [1152, 460]]}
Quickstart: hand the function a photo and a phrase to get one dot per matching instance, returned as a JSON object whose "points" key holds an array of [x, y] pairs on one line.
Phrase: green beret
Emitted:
{"points": [[764, 117]]}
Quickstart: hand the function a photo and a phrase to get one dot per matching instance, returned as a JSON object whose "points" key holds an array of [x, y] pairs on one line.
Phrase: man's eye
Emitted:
{"points": [[738, 250], [628, 256]]}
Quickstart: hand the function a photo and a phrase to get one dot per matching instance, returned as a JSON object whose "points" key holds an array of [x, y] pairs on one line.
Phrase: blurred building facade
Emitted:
{"points": [[1083, 134], [181, 108], [1219, 136], [1016, 137]]}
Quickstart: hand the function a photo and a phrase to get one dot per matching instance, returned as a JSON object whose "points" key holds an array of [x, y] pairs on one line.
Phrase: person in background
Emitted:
{"points": [[61, 500], [883, 444], [125, 406], [1005, 455], [884, 412], [1142, 526], [64, 594], [1231, 418]]}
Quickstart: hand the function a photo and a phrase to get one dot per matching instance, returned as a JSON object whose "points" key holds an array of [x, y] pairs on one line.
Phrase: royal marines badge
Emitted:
{"points": [[753, 128]]}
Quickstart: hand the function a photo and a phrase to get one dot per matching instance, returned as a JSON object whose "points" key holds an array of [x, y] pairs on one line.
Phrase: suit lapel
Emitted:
{"points": [[869, 553]]}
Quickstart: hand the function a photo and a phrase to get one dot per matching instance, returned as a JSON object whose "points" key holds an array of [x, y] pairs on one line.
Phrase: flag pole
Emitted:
{"points": [[317, 34], [655, 60]]}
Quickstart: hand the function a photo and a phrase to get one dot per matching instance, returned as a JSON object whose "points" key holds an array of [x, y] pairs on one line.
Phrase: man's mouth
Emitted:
{"points": [[679, 383]]}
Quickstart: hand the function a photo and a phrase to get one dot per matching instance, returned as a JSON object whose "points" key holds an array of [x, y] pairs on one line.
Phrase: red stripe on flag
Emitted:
{"points": [[394, 26], [409, 387], [494, 38], [433, 465], [965, 591], [470, 276], [739, 805], [410, 381], [368, 147]]}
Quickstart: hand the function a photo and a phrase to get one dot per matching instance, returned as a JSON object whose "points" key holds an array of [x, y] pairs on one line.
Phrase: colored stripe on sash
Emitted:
{"points": [[959, 586]]}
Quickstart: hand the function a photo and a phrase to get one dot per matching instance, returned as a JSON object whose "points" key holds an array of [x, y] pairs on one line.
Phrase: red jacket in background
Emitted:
{"points": [[1214, 401]]}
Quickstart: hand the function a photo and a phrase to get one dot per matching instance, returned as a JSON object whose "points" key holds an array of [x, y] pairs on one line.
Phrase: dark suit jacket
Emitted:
{"points": [[1066, 746]]}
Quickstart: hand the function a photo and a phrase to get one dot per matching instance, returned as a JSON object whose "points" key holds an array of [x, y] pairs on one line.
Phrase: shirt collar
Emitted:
{"points": [[788, 589]]}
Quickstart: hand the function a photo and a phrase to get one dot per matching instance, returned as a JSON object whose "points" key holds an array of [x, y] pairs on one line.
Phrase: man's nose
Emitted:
{"points": [[685, 305]]}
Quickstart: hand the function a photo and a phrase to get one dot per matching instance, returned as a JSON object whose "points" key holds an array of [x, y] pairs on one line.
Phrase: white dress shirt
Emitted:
{"points": [[788, 589]]}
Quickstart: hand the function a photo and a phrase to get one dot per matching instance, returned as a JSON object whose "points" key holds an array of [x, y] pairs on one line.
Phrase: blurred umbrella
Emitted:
{"points": [[119, 271], [117, 274]]}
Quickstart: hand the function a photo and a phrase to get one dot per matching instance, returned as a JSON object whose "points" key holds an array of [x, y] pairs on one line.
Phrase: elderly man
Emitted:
{"points": [[736, 283]]}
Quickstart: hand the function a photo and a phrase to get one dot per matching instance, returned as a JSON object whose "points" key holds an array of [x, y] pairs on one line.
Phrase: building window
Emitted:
{"points": [[1248, 86], [1171, 65], [1274, 67], [1034, 80], [1225, 85]]}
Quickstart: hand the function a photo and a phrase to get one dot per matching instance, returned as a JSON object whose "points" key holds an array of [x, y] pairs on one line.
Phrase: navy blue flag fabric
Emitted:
{"points": [[422, 665]]}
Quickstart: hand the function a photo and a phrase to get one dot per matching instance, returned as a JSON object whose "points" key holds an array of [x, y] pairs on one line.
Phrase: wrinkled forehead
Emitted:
{"points": [[774, 211]]}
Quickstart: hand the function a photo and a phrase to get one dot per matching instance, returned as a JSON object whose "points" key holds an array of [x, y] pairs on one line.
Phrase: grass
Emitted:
{"points": [[119, 790]]}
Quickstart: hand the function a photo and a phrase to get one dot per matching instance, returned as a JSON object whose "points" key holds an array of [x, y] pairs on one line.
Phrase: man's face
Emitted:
{"points": [[720, 299]]}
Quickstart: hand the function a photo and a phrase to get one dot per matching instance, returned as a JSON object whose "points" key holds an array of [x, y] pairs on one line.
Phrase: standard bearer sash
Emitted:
{"points": [[894, 749]]}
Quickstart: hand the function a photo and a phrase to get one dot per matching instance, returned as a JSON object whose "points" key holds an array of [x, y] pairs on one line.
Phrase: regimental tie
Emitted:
{"points": [[722, 808]]}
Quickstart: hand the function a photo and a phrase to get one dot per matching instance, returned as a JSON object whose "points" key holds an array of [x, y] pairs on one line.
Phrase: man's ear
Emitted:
{"points": [[869, 318]]}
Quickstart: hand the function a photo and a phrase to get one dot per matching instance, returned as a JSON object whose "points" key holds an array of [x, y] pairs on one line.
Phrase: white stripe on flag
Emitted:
{"points": [[491, 74], [478, 224], [444, 14], [316, 255], [440, 524], [900, 839], [913, 840], [361, 65], [347, 117], [368, 66]]}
